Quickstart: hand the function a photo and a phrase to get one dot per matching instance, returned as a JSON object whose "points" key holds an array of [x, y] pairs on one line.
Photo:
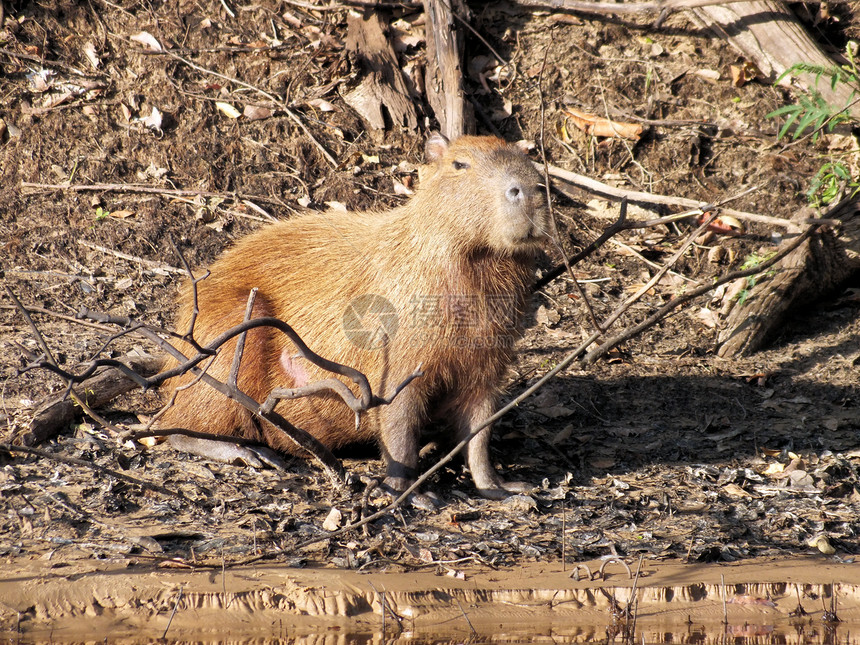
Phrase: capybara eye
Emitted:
{"points": [[459, 165]]}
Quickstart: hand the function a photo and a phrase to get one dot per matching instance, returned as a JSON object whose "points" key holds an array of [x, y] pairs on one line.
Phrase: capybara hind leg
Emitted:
{"points": [[201, 407]]}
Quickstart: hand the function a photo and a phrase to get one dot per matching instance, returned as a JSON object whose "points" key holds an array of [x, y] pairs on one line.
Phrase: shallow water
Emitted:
{"points": [[766, 601]]}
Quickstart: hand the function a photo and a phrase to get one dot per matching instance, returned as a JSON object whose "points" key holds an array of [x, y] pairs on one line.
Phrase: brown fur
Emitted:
{"points": [[455, 262]]}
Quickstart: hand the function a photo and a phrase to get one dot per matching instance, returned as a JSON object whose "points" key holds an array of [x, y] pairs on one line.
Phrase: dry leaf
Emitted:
{"points": [[321, 104], [153, 121], [333, 520], [122, 214], [724, 224], [336, 206], [57, 99], [228, 109], [562, 435], [821, 543], [147, 40], [92, 56], [40, 81], [742, 74], [555, 411], [775, 468], [710, 75], [735, 491], [707, 317], [402, 189], [255, 112], [598, 126], [547, 317]]}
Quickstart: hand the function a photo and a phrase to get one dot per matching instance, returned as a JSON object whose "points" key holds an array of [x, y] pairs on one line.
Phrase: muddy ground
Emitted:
{"points": [[663, 450]]}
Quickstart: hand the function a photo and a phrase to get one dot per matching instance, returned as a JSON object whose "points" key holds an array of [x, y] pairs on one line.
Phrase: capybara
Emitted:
{"points": [[441, 281]]}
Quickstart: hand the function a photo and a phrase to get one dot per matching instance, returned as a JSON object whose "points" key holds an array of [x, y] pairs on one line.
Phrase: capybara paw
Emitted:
{"points": [[518, 488], [504, 489]]}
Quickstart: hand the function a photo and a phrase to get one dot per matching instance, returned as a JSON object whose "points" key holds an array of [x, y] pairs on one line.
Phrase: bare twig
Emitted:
{"points": [[556, 238], [233, 377], [124, 256], [46, 63], [560, 367], [292, 115], [677, 301], [141, 188], [612, 192], [173, 613], [622, 224], [72, 461], [346, 4]]}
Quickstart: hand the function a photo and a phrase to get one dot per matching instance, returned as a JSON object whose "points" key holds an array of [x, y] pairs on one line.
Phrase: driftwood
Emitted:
{"points": [[56, 412], [443, 77], [768, 34], [814, 269], [383, 88]]}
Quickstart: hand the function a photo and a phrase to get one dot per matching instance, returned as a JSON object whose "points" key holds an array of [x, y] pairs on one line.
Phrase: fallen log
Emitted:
{"points": [[768, 34], [58, 411], [813, 270]]}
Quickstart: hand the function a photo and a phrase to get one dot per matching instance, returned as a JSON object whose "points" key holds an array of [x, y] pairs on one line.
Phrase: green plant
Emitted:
{"points": [[750, 262], [827, 184], [813, 111], [101, 214]]}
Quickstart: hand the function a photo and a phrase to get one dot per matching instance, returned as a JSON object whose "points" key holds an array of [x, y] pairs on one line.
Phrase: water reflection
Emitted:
{"points": [[798, 633]]}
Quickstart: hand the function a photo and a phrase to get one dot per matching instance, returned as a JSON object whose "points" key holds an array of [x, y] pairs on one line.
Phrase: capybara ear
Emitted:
{"points": [[436, 147]]}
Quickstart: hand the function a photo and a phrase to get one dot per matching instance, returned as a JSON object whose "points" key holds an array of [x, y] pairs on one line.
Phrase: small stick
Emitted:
{"points": [[147, 190], [173, 613], [653, 265], [674, 303], [612, 192], [635, 598], [465, 615], [42, 61], [563, 534], [346, 4], [233, 377], [132, 258], [555, 236], [292, 115], [725, 606]]}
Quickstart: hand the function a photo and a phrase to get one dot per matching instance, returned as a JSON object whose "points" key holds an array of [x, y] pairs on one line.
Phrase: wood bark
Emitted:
{"points": [[443, 76], [811, 271], [383, 90], [768, 34], [57, 412]]}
